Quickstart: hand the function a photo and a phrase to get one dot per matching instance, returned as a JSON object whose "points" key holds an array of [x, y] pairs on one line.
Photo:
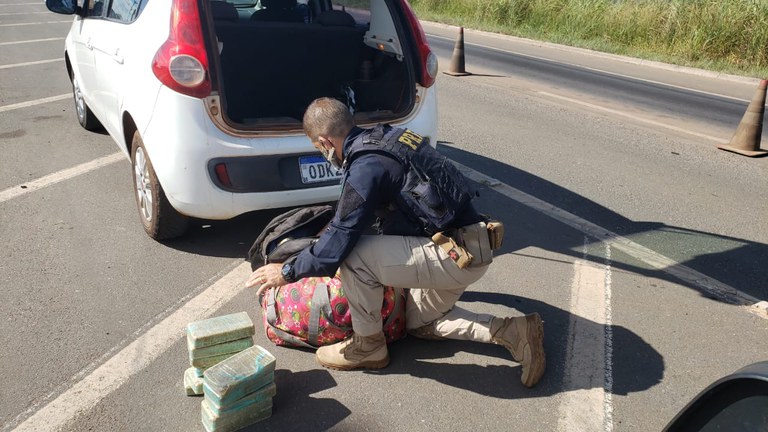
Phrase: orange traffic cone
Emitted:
{"points": [[746, 140], [457, 59]]}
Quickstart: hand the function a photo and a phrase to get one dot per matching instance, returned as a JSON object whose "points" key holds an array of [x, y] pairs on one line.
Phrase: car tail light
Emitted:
{"points": [[223, 175], [181, 63], [427, 59]]}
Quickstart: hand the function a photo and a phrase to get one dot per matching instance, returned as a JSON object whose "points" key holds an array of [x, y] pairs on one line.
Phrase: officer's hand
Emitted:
{"points": [[268, 276]]}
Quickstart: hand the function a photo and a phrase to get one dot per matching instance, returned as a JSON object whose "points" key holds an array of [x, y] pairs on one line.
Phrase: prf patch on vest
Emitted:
{"points": [[411, 139]]}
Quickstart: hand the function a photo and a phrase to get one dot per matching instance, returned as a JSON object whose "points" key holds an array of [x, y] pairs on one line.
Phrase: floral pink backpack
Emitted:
{"points": [[313, 312]]}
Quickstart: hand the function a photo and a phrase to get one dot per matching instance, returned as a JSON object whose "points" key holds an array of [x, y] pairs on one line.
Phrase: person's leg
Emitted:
{"points": [[404, 262]]}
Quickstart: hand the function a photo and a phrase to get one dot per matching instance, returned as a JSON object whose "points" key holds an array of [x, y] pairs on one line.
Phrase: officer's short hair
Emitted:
{"points": [[327, 117]]}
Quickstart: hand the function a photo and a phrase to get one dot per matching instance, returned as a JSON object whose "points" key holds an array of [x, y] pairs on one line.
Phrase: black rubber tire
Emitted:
{"points": [[86, 118], [159, 219]]}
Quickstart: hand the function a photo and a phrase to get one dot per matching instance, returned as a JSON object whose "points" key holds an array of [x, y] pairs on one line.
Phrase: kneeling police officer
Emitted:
{"points": [[432, 241]]}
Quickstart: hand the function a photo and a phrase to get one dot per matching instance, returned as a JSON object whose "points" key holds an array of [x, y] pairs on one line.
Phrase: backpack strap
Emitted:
{"points": [[321, 304], [272, 319]]}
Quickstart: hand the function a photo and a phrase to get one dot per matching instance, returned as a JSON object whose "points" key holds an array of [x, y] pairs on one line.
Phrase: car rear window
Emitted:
{"points": [[359, 9]]}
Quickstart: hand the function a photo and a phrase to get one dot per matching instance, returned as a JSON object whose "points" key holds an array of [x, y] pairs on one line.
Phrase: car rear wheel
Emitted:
{"points": [[84, 114], [160, 220]]}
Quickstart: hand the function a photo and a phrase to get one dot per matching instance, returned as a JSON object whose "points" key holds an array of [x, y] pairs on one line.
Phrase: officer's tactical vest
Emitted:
{"points": [[434, 191]]}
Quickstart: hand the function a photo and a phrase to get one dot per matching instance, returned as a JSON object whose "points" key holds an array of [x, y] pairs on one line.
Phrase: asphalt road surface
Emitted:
{"points": [[641, 244]]}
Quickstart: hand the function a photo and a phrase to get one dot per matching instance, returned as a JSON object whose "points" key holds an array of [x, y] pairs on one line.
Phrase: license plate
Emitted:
{"points": [[315, 169]]}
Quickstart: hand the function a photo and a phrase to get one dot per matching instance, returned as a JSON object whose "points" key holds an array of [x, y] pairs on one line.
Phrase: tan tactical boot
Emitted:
{"points": [[425, 332], [357, 352], [524, 338]]}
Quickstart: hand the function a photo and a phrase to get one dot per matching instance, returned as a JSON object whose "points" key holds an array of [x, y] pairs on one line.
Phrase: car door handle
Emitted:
{"points": [[89, 45]]}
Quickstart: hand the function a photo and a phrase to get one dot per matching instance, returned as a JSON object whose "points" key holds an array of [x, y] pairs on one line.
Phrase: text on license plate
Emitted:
{"points": [[315, 169]]}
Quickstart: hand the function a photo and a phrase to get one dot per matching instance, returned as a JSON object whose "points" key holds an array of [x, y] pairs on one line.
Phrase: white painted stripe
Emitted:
{"points": [[608, 383], [22, 13], [34, 102], [652, 258], [30, 63], [635, 117], [583, 401], [108, 377], [59, 176], [31, 41], [634, 78], [35, 23]]}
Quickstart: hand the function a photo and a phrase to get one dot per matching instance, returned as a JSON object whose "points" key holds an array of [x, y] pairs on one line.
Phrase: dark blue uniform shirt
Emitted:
{"points": [[371, 182]]}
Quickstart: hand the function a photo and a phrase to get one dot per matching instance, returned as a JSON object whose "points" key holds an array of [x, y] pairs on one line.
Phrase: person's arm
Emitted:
{"points": [[369, 183]]}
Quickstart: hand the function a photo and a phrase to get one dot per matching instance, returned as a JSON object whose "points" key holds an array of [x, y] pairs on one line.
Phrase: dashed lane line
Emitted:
{"points": [[34, 102], [31, 41], [59, 177], [35, 23], [633, 117], [602, 71], [32, 63], [22, 13]]}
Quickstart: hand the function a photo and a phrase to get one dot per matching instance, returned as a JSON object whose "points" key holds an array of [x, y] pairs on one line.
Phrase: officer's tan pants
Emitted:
{"points": [[435, 283]]}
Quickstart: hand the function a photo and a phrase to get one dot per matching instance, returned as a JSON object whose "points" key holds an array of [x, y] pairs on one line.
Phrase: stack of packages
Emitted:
{"points": [[239, 390], [212, 341]]}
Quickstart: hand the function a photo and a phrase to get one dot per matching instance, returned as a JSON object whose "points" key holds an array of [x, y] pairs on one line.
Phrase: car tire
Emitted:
{"points": [[160, 220], [85, 116]]}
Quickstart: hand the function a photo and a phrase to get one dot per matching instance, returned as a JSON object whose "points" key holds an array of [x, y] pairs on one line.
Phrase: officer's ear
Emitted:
{"points": [[324, 142]]}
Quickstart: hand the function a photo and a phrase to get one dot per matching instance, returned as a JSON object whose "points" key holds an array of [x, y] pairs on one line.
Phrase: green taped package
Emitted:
{"points": [[255, 400], [237, 394], [193, 383], [207, 362], [239, 375], [213, 331], [231, 347], [233, 421]]}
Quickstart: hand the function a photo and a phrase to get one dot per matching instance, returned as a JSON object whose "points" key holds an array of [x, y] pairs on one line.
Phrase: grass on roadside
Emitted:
{"points": [[726, 35]]}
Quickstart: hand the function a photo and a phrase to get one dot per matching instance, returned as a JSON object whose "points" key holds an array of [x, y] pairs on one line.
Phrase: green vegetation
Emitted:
{"points": [[723, 35]]}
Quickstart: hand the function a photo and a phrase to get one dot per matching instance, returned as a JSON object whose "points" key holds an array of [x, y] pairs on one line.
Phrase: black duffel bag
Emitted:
{"points": [[288, 234]]}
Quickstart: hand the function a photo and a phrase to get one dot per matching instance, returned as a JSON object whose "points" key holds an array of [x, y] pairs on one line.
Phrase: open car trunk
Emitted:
{"points": [[271, 67]]}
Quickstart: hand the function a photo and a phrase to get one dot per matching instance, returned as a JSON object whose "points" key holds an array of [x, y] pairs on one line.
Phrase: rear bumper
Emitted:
{"points": [[184, 146]]}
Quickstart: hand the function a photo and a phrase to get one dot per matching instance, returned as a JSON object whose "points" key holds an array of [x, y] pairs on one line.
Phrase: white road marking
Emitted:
{"points": [[592, 284], [108, 377], [634, 117], [59, 176], [31, 41], [654, 259], [34, 102], [35, 23], [586, 403], [634, 78], [608, 383], [22, 13], [30, 63]]}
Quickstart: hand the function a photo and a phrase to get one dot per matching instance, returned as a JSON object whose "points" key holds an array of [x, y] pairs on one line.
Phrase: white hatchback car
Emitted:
{"points": [[206, 97]]}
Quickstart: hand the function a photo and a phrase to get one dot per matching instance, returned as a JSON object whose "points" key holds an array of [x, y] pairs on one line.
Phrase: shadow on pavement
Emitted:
{"points": [[739, 263], [294, 408], [736, 262], [420, 358]]}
